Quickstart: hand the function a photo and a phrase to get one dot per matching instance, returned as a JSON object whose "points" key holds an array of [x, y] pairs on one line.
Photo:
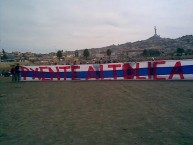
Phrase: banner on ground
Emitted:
{"points": [[147, 70]]}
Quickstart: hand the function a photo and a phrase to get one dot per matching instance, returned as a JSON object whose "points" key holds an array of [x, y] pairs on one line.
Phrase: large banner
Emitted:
{"points": [[147, 70]]}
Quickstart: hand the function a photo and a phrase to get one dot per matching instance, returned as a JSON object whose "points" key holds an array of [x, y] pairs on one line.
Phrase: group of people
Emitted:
{"points": [[16, 73]]}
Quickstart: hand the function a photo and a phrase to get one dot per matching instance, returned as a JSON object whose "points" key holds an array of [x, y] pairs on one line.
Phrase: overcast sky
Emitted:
{"points": [[50, 25]]}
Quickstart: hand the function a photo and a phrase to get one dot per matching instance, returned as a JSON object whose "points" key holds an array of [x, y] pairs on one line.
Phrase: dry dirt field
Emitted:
{"points": [[96, 113]]}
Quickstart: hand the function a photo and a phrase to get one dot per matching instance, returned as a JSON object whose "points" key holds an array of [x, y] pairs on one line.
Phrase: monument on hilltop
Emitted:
{"points": [[155, 30]]}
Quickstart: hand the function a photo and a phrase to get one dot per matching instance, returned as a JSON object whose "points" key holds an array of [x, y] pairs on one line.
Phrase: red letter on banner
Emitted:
{"points": [[114, 66], [25, 70], [73, 71], [127, 67], [154, 70], [91, 73], [137, 73], [43, 73], [65, 71], [51, 73], [177, 69], [58, 73], [35, 73]]}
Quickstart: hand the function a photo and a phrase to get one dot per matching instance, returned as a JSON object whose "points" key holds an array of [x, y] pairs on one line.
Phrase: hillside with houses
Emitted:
{"points": [[164, 45], [123, 52]]}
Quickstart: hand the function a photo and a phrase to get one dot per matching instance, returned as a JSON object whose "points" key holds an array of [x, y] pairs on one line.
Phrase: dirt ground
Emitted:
{"points": [[96, 113]]}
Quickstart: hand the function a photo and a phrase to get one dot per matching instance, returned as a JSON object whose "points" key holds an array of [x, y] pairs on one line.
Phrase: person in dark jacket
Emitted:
{"points": [[13, 73], [17, 73]]}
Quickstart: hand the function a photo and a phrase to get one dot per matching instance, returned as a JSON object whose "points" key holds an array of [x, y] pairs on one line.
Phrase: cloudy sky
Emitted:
{"points": [[49, 25]]}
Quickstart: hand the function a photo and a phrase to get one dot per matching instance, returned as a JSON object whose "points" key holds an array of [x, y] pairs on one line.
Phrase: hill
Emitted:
{"points": [[154, 42]]}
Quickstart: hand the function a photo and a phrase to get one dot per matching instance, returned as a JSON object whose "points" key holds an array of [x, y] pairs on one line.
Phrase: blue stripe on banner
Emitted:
{"points": [[188, 69]]}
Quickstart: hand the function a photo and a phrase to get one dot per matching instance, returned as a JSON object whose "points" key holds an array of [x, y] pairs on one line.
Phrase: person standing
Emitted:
{"points": [[17, 73], [13, 73]]}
